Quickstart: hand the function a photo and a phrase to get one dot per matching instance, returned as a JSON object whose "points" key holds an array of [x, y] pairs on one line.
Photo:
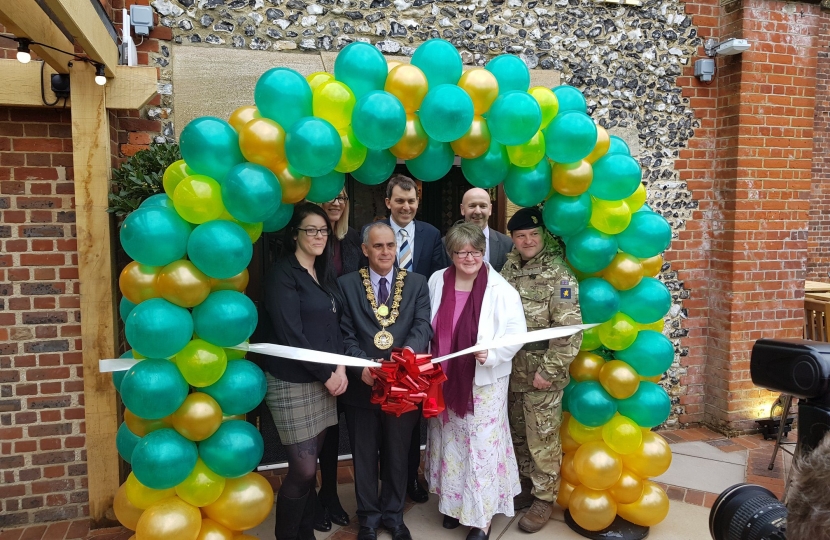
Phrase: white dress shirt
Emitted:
{"points": [[410, 229], [486, 232]]}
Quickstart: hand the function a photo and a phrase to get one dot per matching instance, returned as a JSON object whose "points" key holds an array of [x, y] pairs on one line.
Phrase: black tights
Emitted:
{"points": [[302, 466], [328, 463]]}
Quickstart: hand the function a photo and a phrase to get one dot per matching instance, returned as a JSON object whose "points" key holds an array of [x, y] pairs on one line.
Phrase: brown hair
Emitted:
{"points": [[404, 182], [463, 233]]}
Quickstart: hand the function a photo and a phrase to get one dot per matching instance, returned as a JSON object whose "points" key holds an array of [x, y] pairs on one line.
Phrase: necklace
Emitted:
{"points": [[384, 339]]}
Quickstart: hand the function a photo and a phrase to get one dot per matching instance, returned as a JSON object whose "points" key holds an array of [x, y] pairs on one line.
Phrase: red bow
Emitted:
{"points": [[406, 380]]}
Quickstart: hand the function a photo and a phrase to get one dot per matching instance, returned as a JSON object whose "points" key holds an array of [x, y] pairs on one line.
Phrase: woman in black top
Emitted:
{"points": [[300, 297], [346, 241]]}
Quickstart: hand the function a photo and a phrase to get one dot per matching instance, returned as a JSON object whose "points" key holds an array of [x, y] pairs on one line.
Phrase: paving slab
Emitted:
{"points": [[704, 469], [265, 530], [703, 450]]}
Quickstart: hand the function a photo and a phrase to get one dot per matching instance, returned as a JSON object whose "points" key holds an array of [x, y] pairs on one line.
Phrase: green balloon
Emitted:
{"points": [[570, 137], [251, 193], [378, 120], [234, 450], [488, 170], [154, 388], [221, 249], [326, 187], [159, 199], [510, 72], [125, 441], [528, 186], [616, 177], [361, 67], [514, 118], [225, 318], [125, 307], [376, 168], [210, 146], [158, 329], [565, 216], [647, 235], [313, 146], [590, 250], [283, 95], [163, 459], [647, 302], [566, 394], [590, 404], [618, 146], [648, 407], [446, 113], [440, 62], [570, 99], [433, 163], [598, 300], [155, 236], [240, 389], [650, 355], [118, 376], [279, 219]]}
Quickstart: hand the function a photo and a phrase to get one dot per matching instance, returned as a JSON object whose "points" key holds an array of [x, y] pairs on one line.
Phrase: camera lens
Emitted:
{"points": [[747, 512]]}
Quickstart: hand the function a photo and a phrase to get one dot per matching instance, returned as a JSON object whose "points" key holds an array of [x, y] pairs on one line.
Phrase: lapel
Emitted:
{"points": [[416, 253]]}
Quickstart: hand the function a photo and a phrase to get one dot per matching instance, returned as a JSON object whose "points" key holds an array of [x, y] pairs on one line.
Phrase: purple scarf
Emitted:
{"points": [[458, 390]]}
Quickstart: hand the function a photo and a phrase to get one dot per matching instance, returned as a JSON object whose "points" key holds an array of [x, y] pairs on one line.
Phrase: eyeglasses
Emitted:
{"points": [[342, 199], [465, 254], [311, 231]]}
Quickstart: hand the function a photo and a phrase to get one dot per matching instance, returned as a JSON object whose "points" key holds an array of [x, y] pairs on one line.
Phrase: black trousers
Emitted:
{"points": [[372, 431], [414, 459]]}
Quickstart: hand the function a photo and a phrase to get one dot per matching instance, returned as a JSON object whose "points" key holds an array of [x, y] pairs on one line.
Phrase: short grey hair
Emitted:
{"points": [[808, 499], [464, 233], [377, 224]]}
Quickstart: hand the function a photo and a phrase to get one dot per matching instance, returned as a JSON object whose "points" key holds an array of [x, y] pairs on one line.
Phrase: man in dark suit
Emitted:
{"points": [[476, 208], [373, 323]]}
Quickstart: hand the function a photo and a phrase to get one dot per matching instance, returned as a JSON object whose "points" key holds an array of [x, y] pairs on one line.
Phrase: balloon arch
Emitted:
{"points": [[191, 451]]}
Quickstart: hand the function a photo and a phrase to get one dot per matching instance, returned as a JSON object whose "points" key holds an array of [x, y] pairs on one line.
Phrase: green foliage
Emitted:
{"points": [[140, 177]]}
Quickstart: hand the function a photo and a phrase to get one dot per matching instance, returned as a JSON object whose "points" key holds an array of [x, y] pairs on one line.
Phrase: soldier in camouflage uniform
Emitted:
{"points": [[536, 268]]}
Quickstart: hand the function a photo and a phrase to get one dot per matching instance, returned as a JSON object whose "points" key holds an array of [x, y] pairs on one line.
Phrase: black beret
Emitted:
{"points": [[526, 218]]}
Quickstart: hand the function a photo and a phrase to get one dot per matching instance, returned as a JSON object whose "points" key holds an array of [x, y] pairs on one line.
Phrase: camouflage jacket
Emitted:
{"points": [[550, 297]]}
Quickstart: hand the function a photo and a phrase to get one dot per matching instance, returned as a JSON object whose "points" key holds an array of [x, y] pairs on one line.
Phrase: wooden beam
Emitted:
{"points": [[25, 18], [92, 165], [132, 87], [82, 21]]}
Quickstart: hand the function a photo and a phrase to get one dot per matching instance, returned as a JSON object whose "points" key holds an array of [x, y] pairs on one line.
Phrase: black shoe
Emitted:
{"points": [[450, 522], [416, 492], [335, 512], [367, 533], [322, 519], [401, 532], [289, 516], [478, 534]]}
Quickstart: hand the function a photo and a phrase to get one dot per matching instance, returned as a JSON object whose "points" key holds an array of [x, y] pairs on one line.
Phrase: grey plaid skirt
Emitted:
{"points": [[301, 411]]}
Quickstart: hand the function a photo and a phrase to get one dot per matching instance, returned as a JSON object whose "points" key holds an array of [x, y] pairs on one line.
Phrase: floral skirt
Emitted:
{"points": [[470, 462]]}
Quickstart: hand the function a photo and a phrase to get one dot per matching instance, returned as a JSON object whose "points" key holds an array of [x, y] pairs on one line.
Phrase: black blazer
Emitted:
{"points": [[302, 314], [429, 255], [359, 326], [500, 246], [350, 252]]}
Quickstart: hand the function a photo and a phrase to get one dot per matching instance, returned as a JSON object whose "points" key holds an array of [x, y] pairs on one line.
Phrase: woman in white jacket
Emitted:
{"points": [[470, 462]]}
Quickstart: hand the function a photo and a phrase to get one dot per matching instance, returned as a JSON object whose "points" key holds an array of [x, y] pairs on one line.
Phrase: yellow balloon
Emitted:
{"points": [[619, 332], [628, 488], [547, 101], [657, 326], [619, 379], [201, 363], [567, 470], [572, 179], [564, 495], [586, 366], [237, 283], [590, 339], [528, 153], [253, 230], [655, 379], [242, 116], [143, 497], [170, 519], [636, 199], [126, 513], [181, 283], [233, 417], [601, 147], [294, 185], [244, 503], [652, 266], [392, 64], [610, 217], [317, 78], [213, 531], [197, 418], [234, 354], [175, 173], [568, 442], [409, 84], [583, 434], [198, 199], [622, 435], [202, 486], [353, 152], [414, 140], [624, 272], [597, 466], [481, 86], [138, 282], [333, 101], [591, 509], [652, 458], [141, 426], [650, 509], [475, 142], [262, 141]]}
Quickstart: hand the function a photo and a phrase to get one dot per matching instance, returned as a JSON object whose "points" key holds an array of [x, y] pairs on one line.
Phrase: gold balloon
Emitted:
{"points": [[547, 101], [126, 513], [572, 179], [655, 379], [409, 84], [528, 153], [317, 78], [652, 458], [181, 283], [619, 379], [392, 64], [237, 283], [481, 86], [652, 266], [601, 147], [591, 509], [628, 488], [197, 418], [244, 504], [142, 426], [294, 185], [233, 417], [568, 442], [414, 140], [138, 282], [650, 509], [567, 470], [597, 466], [564, 496], [637, 199], [202, 486], [582, 433], [475, 142], [353, 154], [586, 366], [170, 519], [262, 141], [624, 272], [213, 531], [242, 116], [143, 497]]}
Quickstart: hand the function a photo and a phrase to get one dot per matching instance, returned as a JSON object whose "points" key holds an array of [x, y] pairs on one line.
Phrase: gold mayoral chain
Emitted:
{"points": [[384, 339]]}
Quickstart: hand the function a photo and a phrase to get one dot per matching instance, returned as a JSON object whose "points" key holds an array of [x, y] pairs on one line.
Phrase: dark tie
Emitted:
{"points": [[383, 291]]}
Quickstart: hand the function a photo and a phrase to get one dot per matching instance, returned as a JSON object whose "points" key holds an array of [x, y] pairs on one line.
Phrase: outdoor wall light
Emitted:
{"points": [[24, 56], [100, 76], [23, 53], [727, 48]]}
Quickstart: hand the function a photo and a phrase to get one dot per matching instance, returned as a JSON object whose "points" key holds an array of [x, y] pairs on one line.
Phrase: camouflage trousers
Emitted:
{"points": [[535, 418]]}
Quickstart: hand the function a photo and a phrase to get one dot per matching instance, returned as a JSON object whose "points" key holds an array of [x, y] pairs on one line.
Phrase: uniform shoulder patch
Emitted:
{"points": [[565, 292]]}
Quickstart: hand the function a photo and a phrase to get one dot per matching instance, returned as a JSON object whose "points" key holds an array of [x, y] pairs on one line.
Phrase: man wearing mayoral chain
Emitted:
{"points": [[385, 307]]}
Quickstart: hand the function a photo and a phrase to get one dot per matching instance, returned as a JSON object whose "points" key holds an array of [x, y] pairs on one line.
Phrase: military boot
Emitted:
{"points": [[525, 498], [536, 517]]}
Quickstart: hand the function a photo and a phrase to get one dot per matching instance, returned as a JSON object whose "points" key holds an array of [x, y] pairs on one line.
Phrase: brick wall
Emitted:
{"points": [[818, 239]]}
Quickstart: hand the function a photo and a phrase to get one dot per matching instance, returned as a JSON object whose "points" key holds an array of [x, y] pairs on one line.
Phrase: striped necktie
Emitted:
{"points": [[405, 252]]}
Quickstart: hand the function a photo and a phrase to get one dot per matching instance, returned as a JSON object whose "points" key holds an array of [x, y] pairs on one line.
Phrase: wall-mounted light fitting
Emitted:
{"points": [[24, 56], [100, 76], [23, 53], [727, 48]]}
